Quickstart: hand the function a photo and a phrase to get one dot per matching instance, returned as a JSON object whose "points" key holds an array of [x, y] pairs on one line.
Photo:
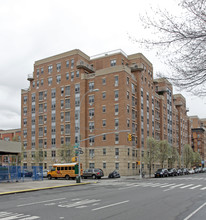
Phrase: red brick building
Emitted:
{"points": [[128, 100]]}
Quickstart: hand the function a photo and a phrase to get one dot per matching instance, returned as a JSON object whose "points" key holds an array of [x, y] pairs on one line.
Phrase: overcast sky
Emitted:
{"points": [[32, 30]]}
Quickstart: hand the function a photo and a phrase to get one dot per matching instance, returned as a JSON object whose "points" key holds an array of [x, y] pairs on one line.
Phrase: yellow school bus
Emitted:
{"points": [[64, 170]]}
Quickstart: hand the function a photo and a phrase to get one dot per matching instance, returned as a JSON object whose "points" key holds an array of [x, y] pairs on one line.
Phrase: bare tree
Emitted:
{"points": [[66, 152], [174, 156], [187, 155], [151, 154], [164, 152], [196, 159], [182, 41]]}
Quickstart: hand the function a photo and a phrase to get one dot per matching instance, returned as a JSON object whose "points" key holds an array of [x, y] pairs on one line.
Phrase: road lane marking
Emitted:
{"points": [[203, 188], [12, 216], [167, 185], [172, 187], [195, 186], [114, 204], [34, 203], [189, 216], [79, 203], [186, 186]]}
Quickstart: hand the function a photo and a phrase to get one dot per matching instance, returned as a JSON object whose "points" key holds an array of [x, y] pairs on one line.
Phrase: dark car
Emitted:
{"points": [[172, 172], [95, 173], [114, 174], [179, 172], [26, 173], [161, 173], [185, 171]]}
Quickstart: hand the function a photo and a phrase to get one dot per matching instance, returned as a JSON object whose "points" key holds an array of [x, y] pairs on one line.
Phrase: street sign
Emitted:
{"points": [[76, 146]]}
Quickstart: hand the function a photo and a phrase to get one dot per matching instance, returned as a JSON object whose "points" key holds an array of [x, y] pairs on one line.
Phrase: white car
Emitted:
{"points": [[191, 171]]}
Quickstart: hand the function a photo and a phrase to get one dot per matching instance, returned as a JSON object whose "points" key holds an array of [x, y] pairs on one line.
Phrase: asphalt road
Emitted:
{"points": [[175, 198]]}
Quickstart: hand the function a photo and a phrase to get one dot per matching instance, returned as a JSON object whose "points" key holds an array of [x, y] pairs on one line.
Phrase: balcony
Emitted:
{"points": [[136, 67], [30, 77], [83, 65]]}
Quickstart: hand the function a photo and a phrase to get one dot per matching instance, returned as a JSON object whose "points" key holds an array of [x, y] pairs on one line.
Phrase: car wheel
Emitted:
{"points": [[93, 176], [85, 177], [49, 177], [67, 177]]}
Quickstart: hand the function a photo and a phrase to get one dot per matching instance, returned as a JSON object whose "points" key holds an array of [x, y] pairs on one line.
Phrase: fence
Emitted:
{"points": [[18, 173]]}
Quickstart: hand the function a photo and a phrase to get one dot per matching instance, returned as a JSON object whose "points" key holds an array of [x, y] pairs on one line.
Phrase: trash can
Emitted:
{"points": [[78, 179]]}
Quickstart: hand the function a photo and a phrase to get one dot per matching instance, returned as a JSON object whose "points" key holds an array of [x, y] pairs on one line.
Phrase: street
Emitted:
{"points": [[171, 198]]}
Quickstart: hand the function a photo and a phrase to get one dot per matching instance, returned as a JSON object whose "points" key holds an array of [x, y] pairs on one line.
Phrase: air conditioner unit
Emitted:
{"points": [[62, 132], [116, 157], [91, 117], [91, 103], [91, 130], [91, 144]]}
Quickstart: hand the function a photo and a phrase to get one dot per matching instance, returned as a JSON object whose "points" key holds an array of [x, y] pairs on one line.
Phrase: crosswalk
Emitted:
{"points": [[163, 186], [13, 216]]}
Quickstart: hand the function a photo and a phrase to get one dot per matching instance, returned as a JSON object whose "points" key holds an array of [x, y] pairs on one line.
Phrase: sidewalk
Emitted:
{"points": [[27, 186], [20, 187]]}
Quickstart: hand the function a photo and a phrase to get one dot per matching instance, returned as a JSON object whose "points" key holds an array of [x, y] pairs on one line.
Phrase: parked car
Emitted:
{"points": [[185, 171], [26, 173], [179, 172], [161, 173], [114, 174], [45, 173], [95, 173], [204, 169], [172, 172], [191, 171]]}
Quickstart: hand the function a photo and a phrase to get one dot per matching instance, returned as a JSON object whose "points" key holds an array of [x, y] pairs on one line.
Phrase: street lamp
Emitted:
{"points": [[79, 148]]}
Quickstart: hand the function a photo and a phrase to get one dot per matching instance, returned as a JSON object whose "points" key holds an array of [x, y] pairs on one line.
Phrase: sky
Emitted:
{"points": [[33, 30]]}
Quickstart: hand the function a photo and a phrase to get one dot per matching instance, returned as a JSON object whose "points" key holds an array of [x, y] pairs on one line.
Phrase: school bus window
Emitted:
{"points": [[58, 168], [65, 168], [69, 168], [73, 168], [62, 168]]}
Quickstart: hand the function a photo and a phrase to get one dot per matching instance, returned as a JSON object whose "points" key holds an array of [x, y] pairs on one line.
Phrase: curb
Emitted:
{"points": [[43, 188]]}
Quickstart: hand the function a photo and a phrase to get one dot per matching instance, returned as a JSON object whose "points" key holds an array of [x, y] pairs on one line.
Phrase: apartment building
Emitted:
{"points": [[112, 94], [10, 135], [198, 138]]}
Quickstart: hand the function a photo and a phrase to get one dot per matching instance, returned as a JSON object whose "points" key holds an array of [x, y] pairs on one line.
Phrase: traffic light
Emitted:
{"points": [[129, 137]]}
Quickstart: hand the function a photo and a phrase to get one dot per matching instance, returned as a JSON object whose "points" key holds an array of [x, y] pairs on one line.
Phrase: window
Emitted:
{"points": [[50, 69], [116, 107], [127, 80], [103, 81], [72, 76], [127, 108], [116, 138], [67, 140], [104, 137], [67, 129], [91, 139], [91, 99], [91, 112], [116, 123], [128, 152], [91, 165], [91, 153], [25, 99], [104, 165], [49, 81], [91, 125], [103, 109], [67, 116], [103, 95], [127, 95], [40, 108], [128, 165], [53, 153], [91, 85], [103, 122], [77, 101], [62, 103], [53, 93], [58, 79], [77, 88], [77, 73], [116, 95], [67, 64], [113, 62], [58, 67], [67, 103], [128, 123], [104, 151], [67, 90], [72, 63], [116, 80], [117, 166], [116, 151], [67, 76], [42, 82]]}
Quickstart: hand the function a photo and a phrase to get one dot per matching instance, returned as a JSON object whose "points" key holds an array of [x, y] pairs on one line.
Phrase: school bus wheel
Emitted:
{"points": [[67, 177], [49, 177]]}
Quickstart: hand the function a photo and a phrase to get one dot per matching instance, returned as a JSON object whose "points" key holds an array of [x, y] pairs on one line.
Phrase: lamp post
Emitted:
{"points": [[79, 136]]}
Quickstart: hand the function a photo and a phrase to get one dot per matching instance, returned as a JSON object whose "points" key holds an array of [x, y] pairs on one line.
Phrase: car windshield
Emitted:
{"points": [[159, 170]]}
